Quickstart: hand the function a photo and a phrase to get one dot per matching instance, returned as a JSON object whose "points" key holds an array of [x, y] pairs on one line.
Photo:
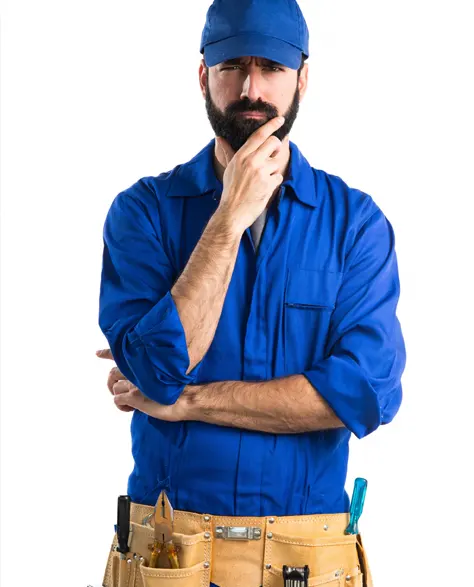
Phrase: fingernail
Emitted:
{"points": [[281, 119]]}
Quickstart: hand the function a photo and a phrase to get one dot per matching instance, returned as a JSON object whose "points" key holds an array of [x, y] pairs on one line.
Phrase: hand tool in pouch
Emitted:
{"points": [[357, 505], [123, 534], [295, 576], [163, 531]]}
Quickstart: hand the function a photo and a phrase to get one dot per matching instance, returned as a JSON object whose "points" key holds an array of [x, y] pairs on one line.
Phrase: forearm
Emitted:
{"points": [[200, 291], [280, 406]]}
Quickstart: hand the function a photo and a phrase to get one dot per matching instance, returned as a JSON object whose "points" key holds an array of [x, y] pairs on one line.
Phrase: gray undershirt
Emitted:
{"points": [[257, 228]]}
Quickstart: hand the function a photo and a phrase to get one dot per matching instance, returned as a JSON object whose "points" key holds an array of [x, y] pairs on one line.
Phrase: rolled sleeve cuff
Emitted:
{"points": [[348, 392], [158, 344]]}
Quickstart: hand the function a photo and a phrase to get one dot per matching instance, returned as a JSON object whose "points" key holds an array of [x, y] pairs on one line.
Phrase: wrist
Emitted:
{"points": [[188, 401], [226, 223]]}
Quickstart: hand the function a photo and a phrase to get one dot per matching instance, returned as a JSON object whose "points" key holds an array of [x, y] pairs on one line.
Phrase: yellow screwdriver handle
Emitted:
{"points": [[155, 554], [172, 555]]}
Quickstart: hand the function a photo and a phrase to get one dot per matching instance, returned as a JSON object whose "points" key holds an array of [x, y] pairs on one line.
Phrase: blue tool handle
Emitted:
{"points": [[357, 505]]}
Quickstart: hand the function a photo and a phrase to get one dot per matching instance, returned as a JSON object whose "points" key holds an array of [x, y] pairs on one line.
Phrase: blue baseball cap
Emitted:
{"points": [[271, 29]]}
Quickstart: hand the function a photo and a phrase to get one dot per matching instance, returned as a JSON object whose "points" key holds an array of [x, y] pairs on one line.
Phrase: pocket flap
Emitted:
{"points": [[335, 578], [307, 287], [195, 576]]}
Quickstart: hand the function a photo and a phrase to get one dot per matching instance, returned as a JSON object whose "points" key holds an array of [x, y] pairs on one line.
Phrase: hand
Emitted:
{"points": [[115, 376], [127, 397], [250, 177]]}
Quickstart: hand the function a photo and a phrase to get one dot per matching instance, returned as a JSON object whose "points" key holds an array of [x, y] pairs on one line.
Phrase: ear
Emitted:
{"points": [[303, 81], [203, 80]]}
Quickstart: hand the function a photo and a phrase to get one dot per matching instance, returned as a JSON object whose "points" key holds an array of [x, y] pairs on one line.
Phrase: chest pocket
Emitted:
{"points": [[310, 298], [312, 289]]}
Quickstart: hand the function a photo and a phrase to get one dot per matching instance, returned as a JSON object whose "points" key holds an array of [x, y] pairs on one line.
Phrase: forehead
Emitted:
{"points": [[247, 60]]}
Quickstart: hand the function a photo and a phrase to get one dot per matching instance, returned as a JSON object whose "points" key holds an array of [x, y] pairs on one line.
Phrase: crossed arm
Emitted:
{"points": [[280, 406], [283, 406]]}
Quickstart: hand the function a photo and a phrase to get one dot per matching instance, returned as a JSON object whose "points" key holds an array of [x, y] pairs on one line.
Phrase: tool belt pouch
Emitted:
{"points": [[337, 561], [364, 563], [194, 555]]}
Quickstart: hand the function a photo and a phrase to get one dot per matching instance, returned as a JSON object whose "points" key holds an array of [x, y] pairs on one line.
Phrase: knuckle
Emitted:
{"points": [[253, 164], [274, 140]]}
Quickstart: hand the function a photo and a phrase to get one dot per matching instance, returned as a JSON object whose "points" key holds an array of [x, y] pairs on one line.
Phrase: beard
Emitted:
{"points": [[236, 129]]}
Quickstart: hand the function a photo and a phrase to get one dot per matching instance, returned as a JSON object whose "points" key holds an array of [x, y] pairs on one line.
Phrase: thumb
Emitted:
{"points": [[105, 354]]}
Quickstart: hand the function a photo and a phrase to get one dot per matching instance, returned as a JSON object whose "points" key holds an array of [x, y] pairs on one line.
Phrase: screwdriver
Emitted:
{"points": [[357, 505], [123, 532]]}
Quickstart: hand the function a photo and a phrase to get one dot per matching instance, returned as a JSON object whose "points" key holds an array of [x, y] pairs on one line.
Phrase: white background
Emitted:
{"points": [[96, 95]]}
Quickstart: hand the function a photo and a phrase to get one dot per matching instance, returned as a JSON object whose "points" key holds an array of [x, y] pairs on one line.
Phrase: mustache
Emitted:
{"points": [[246, 105]]}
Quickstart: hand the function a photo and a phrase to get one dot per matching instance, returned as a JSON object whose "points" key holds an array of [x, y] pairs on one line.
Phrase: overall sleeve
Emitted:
{"points": [[137, 313], [360, 377]]}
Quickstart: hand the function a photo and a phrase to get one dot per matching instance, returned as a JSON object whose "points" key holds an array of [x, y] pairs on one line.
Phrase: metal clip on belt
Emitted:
{"points": [[238, 533]]}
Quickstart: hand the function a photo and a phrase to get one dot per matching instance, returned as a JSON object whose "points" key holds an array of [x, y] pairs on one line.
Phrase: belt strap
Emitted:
{"points": [[314, 525]]}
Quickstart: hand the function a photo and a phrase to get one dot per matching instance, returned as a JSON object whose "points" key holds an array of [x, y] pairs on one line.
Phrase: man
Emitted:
{"points": [[249, 301]]}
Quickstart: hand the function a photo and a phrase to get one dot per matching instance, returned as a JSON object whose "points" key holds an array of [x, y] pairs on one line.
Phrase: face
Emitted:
{"points": [[250, 84]]}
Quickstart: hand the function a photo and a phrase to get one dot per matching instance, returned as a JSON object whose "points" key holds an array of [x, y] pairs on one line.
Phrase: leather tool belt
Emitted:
{"points": [[242, 552]]}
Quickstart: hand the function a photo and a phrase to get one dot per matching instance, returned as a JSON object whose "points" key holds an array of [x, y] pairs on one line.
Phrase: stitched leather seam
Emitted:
{"points": [[324, 545]]}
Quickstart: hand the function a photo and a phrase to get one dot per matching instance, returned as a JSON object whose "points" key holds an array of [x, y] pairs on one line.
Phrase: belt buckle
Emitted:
{"points": [[238, 533]]}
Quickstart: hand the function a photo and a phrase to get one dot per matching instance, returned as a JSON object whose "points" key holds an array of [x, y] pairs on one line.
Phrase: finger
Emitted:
{"points": [[278, 180], [120, 402], [261, 135], [277, 150], [264, 153], [114, 375], [133, 398], [127, 400], [105, 354], [123, 386], [125, 408]]}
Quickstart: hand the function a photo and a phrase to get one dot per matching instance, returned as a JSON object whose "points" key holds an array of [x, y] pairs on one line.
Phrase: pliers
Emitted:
{"points": [[162, 521]]}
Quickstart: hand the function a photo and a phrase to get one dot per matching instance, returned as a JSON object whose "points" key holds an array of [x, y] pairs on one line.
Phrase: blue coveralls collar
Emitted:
{"points": [[197, 176]]}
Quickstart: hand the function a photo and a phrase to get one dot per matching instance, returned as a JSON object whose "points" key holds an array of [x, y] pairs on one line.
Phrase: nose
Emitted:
{"points": [[251, 86]]}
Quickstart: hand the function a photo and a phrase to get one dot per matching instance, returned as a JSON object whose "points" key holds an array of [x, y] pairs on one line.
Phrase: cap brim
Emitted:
{"points": [[253, 45]]}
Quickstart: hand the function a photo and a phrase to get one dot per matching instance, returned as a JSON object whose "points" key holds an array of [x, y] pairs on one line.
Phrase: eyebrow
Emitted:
{"points": [[238, 61]]}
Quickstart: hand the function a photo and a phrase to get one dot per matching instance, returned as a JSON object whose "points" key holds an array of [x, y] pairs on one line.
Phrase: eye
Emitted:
{"points": [[274, 69]]}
